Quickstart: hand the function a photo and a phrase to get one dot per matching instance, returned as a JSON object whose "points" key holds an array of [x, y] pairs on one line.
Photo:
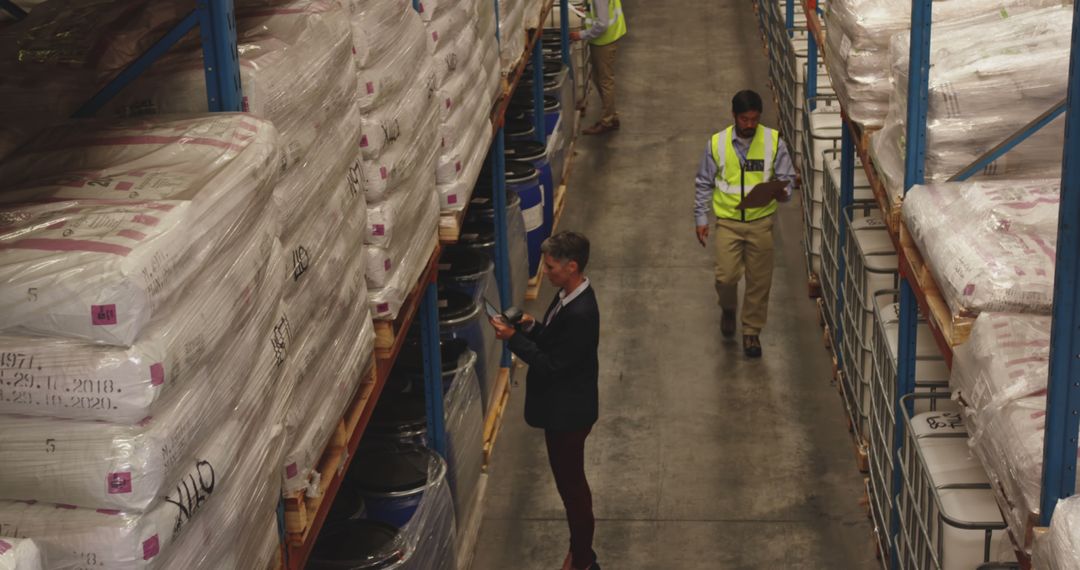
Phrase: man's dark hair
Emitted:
{"points": [[746, 100], [568, 246]]}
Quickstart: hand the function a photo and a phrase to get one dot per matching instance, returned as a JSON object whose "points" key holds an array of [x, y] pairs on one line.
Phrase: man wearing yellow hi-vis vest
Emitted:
{"points": [[736, 160], [605, 25]]}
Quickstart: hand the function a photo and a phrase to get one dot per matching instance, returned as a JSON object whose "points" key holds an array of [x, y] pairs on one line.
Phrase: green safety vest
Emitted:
{"points": [[733, 181], [616, 23]]}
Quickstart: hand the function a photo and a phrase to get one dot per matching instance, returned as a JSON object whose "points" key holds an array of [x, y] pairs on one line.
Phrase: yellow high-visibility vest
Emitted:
{"points": [[616, 23], [735, 179]]}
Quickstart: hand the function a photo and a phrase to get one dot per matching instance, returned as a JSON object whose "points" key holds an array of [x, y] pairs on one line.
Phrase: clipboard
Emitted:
{"points": [[762, 194]]}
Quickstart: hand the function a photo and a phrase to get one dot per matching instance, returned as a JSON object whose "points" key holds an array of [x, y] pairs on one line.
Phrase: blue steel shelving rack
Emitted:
{"points": [[1063, 394]]}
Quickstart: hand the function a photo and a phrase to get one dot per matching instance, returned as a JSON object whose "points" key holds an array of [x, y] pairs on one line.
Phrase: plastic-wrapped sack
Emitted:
{"points": [[1059, 549], [397, 123], [381, 80], [511, 32], [454, 41], [982, 90], [857, 45], [399, 280], [328, 370], [118, 539], [53, 61], [295, 66], [425, 542], [990, 245], [1001, 374], [71, 379], [402, 162], [99, 465], [378, 28], [139, 209], [19, 554]]}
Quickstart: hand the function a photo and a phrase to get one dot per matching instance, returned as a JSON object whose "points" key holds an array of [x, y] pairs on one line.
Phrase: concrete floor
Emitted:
{"points": [[701, 459]]}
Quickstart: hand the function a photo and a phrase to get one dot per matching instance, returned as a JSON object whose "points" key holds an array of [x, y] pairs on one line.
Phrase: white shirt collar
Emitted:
{"points": [[565, 299]]}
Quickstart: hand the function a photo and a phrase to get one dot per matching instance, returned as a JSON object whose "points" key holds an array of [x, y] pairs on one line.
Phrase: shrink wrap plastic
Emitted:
{"points": [[426, 542], [399, 46], [131, 220], [465, 434], [19, 554], [71, 379], [990, 245], [983, 89], [193, 451], [295, 67], [99, 465], [327, 370], [54, 60], [1001, 374], [857, 45], [511, 32], [1059, 549]]}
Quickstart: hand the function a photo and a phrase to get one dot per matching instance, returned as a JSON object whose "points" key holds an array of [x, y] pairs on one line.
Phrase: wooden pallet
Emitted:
{"points": [[301, 510], [493, 421], [950, 330], [390, 335]]}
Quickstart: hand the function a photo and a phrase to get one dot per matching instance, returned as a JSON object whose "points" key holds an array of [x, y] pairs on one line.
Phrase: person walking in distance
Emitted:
{"points": [[736, 160], [606, 24], [561, 392]]}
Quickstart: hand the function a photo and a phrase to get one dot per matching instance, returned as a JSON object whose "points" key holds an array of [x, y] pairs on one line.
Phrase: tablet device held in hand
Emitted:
{"points": [[492, 312]]}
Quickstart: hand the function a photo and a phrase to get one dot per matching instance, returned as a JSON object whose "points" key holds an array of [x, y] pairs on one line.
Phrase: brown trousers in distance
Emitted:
{"points": [[603, 76], [566, 453], [745, 248]]}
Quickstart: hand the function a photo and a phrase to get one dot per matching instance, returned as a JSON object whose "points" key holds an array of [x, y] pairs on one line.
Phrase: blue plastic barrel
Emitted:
{"points": [[552, 111], [536, 154], [519, 129], [523, 178], [392, 480], [460, 316], [470, 271]]}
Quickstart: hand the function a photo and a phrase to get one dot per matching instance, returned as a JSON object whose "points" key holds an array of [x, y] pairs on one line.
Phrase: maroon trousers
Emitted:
{"points": [[566, 453]]}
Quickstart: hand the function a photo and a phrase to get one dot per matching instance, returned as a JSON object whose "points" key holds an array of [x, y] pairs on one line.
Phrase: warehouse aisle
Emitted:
{"points": [[701, 459]]}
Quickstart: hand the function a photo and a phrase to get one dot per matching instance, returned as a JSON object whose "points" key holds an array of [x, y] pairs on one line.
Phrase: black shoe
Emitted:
{"points": [[727, 324], [751, 345]]}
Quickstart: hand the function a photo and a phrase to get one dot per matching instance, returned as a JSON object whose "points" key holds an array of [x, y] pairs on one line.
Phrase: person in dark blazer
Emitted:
{"points": [[561, 393]]}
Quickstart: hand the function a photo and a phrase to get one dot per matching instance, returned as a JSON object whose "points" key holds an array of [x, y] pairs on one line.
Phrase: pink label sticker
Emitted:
{"points": [[448, 103], [66, 507], [378, 229], [110, 512], [291, 470], [383, 173], [151, 547], [103, 314], [386, 265], [124, 186], [145, 220], [969, 290], [382, 307], [120, 483], [457, 166], [4, 546], [451, 199], [421, 8], [435, 35], [370, 87], [363, 141], [157, 374]]}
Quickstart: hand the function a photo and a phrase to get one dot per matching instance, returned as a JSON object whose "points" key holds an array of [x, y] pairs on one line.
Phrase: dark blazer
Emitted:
{"points": [[561, 391]]}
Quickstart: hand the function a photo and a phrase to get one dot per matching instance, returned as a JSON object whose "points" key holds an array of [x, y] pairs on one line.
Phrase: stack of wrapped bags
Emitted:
{"points": [[218, 257], [142, 381], [397, 78], [466, 59], [1001, 376], [857, 45], [982, 90], [512, 32]]}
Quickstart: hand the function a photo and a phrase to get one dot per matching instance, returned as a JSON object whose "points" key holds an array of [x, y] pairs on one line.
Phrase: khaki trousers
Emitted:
{"points": [[745, 248], [603, 76]]}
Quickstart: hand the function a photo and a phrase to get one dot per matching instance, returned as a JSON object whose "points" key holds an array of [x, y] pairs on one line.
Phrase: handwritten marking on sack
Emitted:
{"points": [[301, 261], [279, 340], [192, 493]]}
